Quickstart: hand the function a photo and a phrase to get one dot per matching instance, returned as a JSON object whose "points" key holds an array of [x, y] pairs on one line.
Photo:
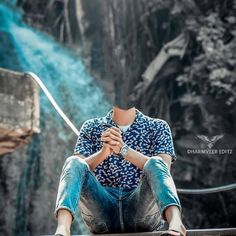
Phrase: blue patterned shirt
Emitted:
{"points": [[146, 135]]}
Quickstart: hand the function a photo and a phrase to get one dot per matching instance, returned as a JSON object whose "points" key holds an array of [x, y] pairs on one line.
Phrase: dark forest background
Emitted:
{"points": [[172, 59]]}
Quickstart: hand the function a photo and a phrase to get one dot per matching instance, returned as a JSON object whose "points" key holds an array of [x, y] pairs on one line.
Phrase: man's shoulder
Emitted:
{"points": [[154, 122], [93, 122]]}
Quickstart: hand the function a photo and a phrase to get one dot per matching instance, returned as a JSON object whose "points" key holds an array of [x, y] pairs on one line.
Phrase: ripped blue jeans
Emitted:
{"points": [[114, 210]]}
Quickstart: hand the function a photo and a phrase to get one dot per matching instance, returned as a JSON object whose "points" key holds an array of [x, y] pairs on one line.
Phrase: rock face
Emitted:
{"points": [[19, 110]]}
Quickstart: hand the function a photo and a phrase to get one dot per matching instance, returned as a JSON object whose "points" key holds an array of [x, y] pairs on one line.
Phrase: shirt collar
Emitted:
{"points": [[138, 117]]}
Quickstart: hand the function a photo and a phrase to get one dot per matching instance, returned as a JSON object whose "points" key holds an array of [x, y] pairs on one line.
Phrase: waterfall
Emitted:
{"points": [[61, 70], [23, 48]]}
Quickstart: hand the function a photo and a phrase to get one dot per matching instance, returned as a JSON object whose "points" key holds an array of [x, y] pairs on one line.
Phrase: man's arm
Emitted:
{"points": [[139, 160], [95, 159]]}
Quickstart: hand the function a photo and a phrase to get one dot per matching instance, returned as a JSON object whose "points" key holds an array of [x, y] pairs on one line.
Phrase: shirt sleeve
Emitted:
{"points": [[163, 140], [84, 144]]}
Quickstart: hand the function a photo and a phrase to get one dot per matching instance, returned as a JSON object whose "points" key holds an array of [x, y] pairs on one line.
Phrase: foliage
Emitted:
{"points": [[213, 70]]}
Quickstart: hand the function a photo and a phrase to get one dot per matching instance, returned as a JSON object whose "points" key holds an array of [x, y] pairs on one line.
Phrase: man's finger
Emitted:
{"points": [[116, 128], [105, 134], [113, 143], [115, 132], [107, 145], [112, 136], [106, 139], [111, 131], [109, 139]]}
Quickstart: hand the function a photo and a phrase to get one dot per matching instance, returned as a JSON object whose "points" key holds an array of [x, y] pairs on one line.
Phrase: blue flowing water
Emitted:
{"points": [[23, 48]]}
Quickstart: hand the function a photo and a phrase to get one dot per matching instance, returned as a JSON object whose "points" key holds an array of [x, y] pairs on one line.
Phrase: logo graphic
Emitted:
{"points": [[210, 142]]}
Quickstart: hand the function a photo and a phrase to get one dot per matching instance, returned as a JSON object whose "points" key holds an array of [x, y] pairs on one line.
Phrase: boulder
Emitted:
{"points": [[19, 110]]}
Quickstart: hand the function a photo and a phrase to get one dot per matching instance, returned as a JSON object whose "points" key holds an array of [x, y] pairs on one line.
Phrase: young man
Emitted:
{"points": [[119, 176]]}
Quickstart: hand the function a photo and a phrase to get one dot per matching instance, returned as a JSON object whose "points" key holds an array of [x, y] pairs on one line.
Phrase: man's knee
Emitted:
{"points": [[76, 163], [155, 163]]}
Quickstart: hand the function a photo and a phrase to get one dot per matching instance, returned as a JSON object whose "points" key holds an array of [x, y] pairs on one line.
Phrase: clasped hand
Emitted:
{"points": [[112, 140]]}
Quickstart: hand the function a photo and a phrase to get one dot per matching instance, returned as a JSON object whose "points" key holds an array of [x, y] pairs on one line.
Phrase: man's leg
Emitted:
{"points": [[141, 212], [173, 217], [155, 196], [164, 190], [70, 186], [79, 186], [98, 208], [64, 220]]}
